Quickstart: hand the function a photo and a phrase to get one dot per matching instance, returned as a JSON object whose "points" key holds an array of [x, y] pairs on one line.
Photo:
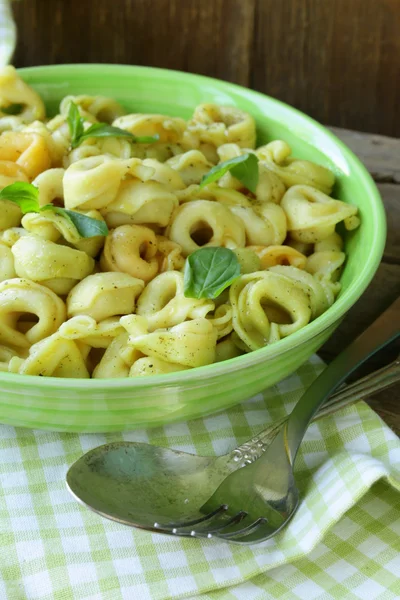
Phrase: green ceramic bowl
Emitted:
{"points": [[121, 404]]}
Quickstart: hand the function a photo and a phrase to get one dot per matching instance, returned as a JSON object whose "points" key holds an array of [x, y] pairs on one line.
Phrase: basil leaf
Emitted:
{"points": [[209, 271], [85, 226], [101, 130], [75, 122], [12, 109], [24, 194], [243, 167], [247, 172]]}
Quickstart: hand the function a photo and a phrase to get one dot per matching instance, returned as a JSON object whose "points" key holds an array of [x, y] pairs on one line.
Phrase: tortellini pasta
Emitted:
{"points": [[27, 150], [191, 343], [312, 215], [22, 297], [276, 157], [164, 304], [219, 125], [104, 295], [114, 304], [266, 307], [13, 90], [203, 223], [53, 265]]}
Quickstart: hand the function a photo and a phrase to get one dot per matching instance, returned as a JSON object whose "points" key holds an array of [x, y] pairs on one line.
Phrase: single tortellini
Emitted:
{"points": [[23, 297], [10, 172], [86, 330], [53, 227], [169, 255], [267, 307], [131, 249], [28, 150], [94, 182], [53, 356], [270, 256], [13, 90], [169, 129], [164, 304], [275, 156], [191, 343], [264, 225], [191, 166], [204, 223], [147, 365], [141, 202], [321, 296], [117, 359], [7, 270], [101, 108], [312, 215], [55, 266], [56, 148], [217, 125], [326, 266], [104, 295]]}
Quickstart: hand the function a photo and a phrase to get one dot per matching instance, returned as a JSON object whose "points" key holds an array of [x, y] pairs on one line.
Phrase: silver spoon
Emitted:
{"points": [[173, 492]]}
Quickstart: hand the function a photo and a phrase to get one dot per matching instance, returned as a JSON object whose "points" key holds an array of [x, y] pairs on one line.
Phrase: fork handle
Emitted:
{"points": [[384, 330]]}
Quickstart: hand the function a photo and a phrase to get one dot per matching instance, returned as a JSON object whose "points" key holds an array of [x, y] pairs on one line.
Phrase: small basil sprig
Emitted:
{"points": [[99, 130], [26, 196], [243, 167], [209, 271]]}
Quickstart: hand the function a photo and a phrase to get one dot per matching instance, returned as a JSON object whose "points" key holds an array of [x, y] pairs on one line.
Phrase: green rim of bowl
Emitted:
{"points": [[334, 314]]}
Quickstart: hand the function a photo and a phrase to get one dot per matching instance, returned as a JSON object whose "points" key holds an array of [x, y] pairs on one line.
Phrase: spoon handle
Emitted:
{"points": [[384, 330], [362, 388]]}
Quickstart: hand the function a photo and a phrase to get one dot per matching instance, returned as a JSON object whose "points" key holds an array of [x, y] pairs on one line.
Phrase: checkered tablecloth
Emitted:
{"points": [[343, 542]]}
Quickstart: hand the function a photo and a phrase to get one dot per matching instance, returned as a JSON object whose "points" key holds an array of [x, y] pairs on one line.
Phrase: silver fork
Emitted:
{"points": [[254, 503], [176, 493]]}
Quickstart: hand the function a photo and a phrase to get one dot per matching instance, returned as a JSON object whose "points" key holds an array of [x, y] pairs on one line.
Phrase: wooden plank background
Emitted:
{"points": [[337, 60]]}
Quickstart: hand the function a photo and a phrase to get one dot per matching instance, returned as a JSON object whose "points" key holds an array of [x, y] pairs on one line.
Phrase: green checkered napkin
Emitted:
{"points": [[7, 33], [342, 543]]}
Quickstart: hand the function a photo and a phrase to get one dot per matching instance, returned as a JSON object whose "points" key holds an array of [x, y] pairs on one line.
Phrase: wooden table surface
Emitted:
{"points": [[381, 155]]}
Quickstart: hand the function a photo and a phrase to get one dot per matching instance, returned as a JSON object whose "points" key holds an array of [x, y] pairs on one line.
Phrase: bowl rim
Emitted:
{"points": [[334, 313]]}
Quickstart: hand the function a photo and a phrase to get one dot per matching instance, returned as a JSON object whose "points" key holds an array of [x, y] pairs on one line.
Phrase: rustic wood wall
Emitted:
{"points": [[337, 60]]}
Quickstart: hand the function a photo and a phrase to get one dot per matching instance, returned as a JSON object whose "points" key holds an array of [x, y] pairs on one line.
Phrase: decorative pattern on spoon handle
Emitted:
{"points": [[251, 450]]}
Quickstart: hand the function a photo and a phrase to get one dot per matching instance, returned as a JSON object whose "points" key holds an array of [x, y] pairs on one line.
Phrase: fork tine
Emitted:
{"points": [[244, 531], [219, 525], [183, 524]]}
